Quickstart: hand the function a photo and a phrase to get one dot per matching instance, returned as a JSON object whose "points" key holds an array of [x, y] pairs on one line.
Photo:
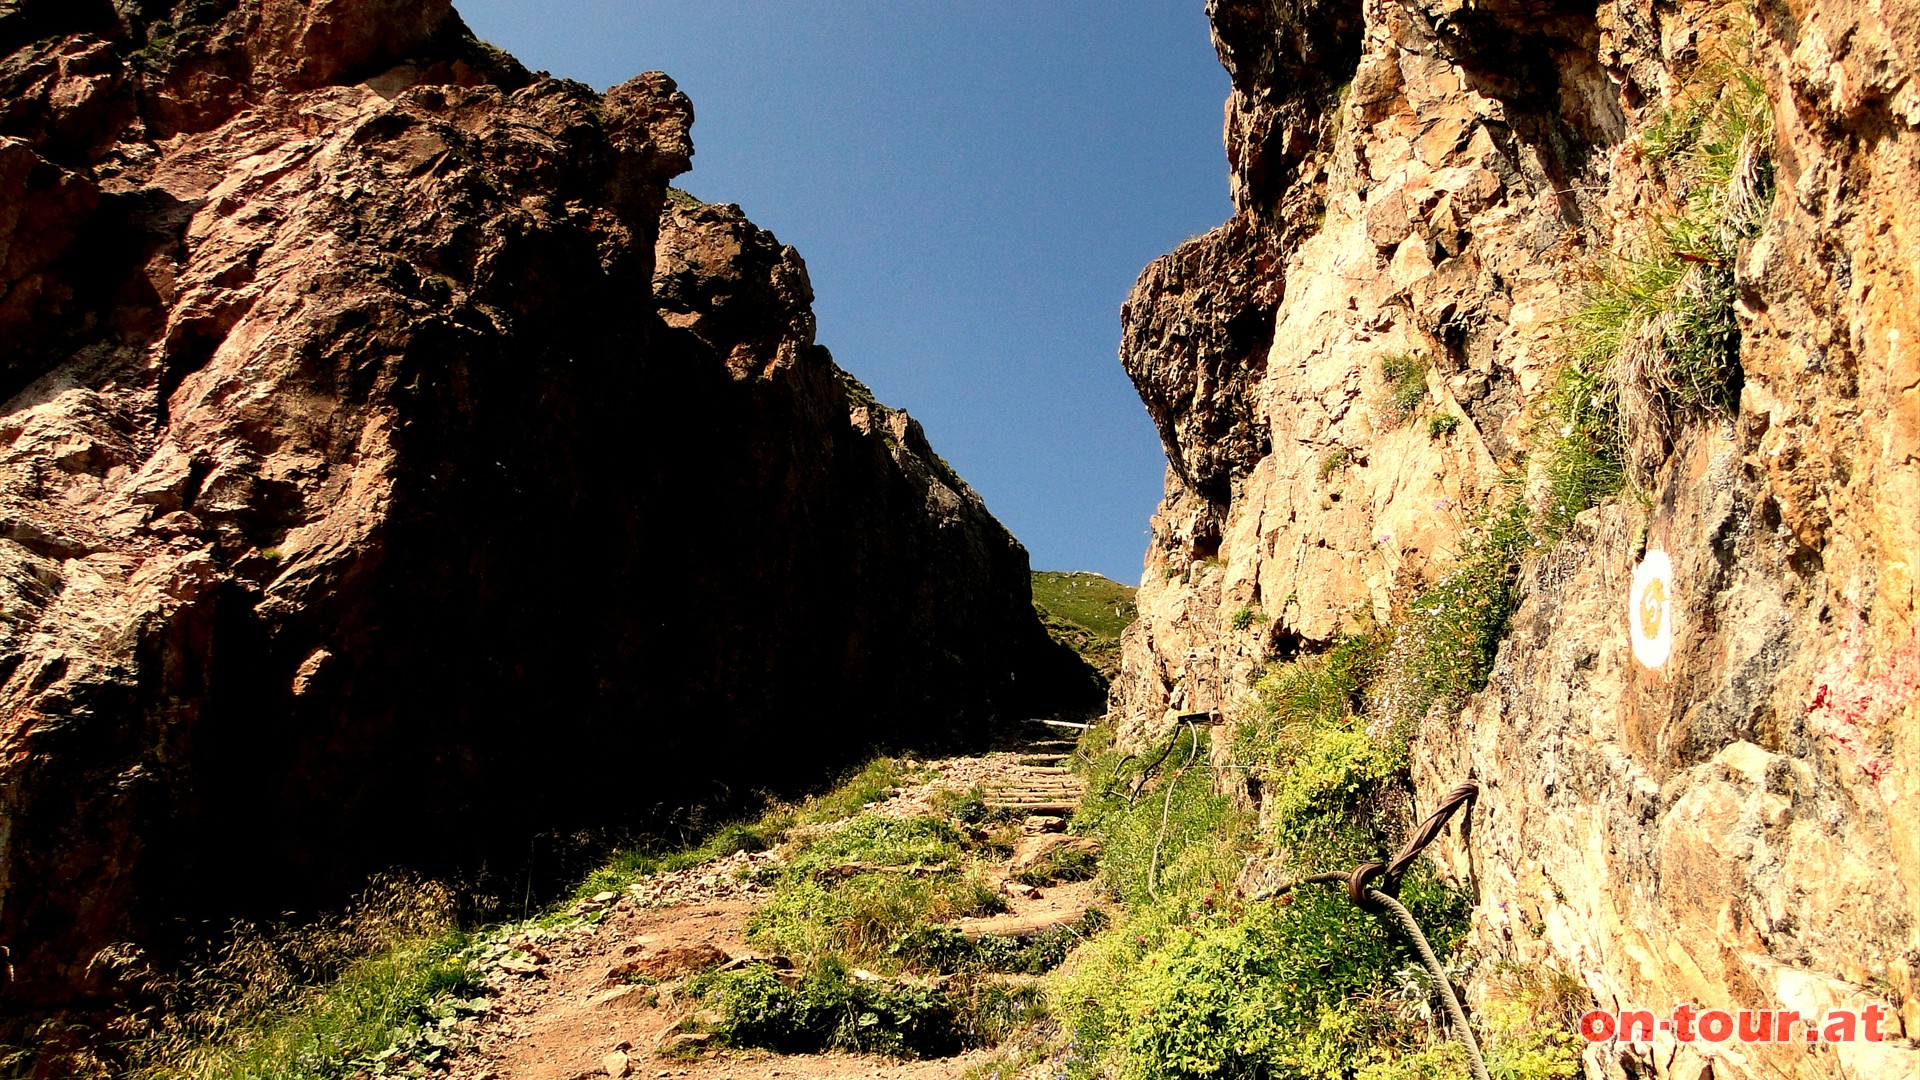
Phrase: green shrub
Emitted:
{"points": [[1304, 742], [991, 1010], [1442, 425], [1258, 989], [1247, 617], [831, 1008], [968, 807], [1199, 981], [1585, 458]]}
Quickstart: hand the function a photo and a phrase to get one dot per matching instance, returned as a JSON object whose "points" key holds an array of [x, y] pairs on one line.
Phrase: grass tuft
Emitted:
{"points": [[1655, 343], [1335, 462], [1406, 379]]}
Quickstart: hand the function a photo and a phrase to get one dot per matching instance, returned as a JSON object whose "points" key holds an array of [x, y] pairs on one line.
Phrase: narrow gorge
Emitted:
{"points": [[399, 476]]}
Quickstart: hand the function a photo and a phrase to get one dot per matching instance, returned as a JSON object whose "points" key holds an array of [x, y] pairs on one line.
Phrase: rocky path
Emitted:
{"points": [[605, 997]]}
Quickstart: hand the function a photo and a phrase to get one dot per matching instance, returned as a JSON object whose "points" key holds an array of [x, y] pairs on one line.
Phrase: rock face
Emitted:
{"points": [[1438, 180], [390, 471]]}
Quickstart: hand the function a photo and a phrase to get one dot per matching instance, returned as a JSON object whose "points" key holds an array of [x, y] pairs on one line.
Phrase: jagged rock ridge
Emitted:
{"points": [[360, 504], [1440, 180]]}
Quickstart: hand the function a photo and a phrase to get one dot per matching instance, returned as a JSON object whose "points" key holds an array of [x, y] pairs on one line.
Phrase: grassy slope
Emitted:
{"points": [[1086, 612]]}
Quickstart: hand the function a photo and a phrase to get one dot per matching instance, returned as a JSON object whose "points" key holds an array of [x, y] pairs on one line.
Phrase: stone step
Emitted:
{"points": [[1043, 785]]}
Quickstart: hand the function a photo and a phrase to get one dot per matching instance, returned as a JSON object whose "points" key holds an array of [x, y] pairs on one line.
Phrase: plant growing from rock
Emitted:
{"points": [[1335, 462], [1654, 343], [1406, 379]]}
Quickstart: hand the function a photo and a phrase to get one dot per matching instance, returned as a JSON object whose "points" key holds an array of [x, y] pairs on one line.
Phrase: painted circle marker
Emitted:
{"points": [[1650, 609]]}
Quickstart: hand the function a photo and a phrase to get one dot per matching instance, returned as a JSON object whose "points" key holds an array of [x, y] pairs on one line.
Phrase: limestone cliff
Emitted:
{"points": [[1439, 189], [389, 471]]}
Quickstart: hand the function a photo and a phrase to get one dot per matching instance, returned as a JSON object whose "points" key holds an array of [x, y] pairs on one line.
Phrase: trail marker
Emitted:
{"points": [[1650, 609]]}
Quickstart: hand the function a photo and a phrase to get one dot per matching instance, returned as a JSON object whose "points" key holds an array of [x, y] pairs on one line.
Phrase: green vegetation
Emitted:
{"points": [[831, 1008], [383, 1014], [1247, 617], [373, 992], [1442, 425], [378, 990], [1586, 462], [946, 950], [1406, 379], [1303, 740], [1443, 647], [1061, 864], [870, 783], [682, 198], [1200, 980], [863, 911], [1207, 977], [857, 392], [1655, 343], [1335, 462], [854, 893], [873, 896], [1086, 612], [1100, 605]]}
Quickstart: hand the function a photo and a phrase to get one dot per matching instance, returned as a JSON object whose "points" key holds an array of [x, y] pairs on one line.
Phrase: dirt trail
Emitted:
{"points": [[573, 1011]]}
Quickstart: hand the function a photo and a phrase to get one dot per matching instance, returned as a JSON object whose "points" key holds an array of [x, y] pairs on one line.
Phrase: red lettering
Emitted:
{"points": [[1596, 1026], [1636, 1026], [1755, 1025], [1873, 1016], [1716, 1025], [1683, 1022], [1842, 1026], [1783, 1022]]}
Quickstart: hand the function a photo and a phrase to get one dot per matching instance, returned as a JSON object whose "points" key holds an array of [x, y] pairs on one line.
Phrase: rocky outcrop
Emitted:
{"points": [[1730, 828], [389, 471]]}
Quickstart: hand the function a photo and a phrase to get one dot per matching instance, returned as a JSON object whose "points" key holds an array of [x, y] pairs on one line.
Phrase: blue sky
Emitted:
{"points": [[974, 187]]}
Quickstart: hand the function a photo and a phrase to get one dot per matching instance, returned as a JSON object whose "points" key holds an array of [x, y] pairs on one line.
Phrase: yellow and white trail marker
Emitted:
{"points": [[1650, 609]]}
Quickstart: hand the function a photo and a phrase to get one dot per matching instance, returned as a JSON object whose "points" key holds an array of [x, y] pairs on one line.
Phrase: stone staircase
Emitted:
{"points": [[1040, 783]]}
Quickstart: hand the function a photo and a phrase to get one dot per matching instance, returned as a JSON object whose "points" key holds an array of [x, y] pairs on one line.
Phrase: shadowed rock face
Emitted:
{"points": [[1440, 180], [358, 508]]}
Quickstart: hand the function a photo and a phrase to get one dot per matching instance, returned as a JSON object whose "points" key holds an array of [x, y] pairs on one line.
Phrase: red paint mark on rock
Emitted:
{"points": [[1846, 707]]}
